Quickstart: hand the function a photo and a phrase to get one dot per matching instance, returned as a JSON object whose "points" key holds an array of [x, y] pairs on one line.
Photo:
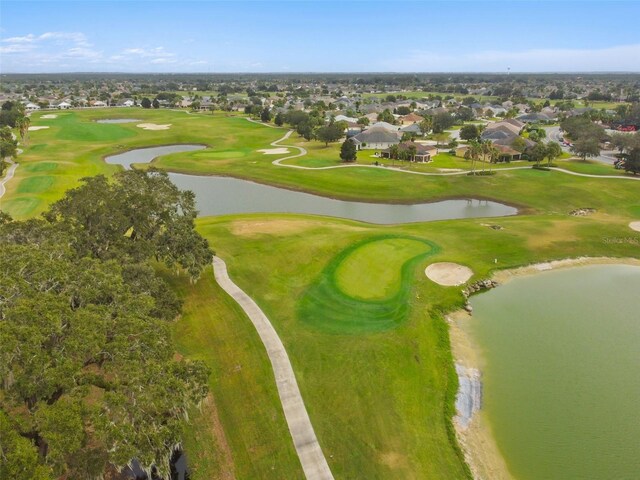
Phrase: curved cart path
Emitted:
{"points": [[309, 452], [8, 176], [303, 151]]}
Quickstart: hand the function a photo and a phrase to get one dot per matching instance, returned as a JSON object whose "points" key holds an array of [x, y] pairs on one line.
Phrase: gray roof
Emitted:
{"points": [[534, 117], [378, 135], [413, 128], [496, 135]]}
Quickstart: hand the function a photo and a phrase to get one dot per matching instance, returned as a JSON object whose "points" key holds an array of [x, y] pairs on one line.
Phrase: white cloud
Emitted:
{"points": [[48, 48], [154, 53], [617, 58], [26, 39]]}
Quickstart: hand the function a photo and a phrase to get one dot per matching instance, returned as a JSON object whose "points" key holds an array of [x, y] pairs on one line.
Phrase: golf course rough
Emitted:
{"points": [[366, 287]]}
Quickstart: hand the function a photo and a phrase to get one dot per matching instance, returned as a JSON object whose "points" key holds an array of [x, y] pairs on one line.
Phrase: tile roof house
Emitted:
{"points": [[376, 138], [411, 118], [423, 152], [534, 117], [386, 125], [413, 128]]}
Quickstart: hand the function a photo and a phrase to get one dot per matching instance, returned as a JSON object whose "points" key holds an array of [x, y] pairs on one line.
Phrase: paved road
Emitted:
{"points": [[314, 464], [555, 135]]}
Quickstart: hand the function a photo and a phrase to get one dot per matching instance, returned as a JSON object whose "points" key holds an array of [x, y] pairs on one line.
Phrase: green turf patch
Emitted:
{"points": [[35, 184], [21, 206], [40, 167], [71, 128], [222, 154], [354, 294], [373, 271]]}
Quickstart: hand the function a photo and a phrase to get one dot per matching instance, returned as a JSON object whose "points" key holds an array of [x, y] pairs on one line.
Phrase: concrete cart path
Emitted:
{"points": [[311, 457], [8, 176]]}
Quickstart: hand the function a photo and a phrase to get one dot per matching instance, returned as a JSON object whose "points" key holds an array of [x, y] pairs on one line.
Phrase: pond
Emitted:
{"points": [[223, 195], [118, 120], [561, 386]]}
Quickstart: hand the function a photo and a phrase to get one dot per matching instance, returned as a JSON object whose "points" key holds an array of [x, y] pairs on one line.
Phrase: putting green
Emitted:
{"points": [[21, 206], [365, 288], [374, 271], [40, 167], [35, 184]]}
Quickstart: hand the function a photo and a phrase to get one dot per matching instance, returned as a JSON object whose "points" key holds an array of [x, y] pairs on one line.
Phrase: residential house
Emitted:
{"points": [[410, 119], [376, 138], [386, 126], [63, 106], [423, 153], [534, 118], [414, 128], [30, 107]]}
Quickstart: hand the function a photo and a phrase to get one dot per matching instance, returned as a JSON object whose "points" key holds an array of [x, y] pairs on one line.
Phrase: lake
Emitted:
{"points": [[224, 195], [561, 353]]}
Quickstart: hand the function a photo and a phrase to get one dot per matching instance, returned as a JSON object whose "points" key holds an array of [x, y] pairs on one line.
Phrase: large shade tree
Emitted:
{"points": [[88, 377]]}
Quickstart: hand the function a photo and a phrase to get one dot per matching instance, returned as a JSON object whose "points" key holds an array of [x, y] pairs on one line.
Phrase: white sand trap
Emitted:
{"points": [[33, 129], [49, 115], [153, 126], [635, 226], [274, 151], [448, 274]]}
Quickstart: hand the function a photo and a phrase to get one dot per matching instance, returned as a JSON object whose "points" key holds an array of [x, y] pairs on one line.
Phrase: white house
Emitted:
{"points": [[376, 138], [30, 107], [99, 103], [128, 103], [63, 105]]}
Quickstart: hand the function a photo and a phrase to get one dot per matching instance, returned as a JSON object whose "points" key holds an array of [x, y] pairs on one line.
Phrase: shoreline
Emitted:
{"points": [[475, 434]]}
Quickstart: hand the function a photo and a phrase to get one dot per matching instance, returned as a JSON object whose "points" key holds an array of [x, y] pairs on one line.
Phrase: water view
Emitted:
{"points": [[222, 195], [561, 384]]}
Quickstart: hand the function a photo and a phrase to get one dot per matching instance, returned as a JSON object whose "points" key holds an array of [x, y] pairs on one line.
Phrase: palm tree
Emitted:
{"points": [[23, 124], [412, 152], [486, 147], [475, 150], [393, 153]]}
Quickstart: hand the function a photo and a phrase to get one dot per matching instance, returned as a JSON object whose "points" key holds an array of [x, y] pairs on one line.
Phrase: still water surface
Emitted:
{"points": [[223, 195], [561, 382]]}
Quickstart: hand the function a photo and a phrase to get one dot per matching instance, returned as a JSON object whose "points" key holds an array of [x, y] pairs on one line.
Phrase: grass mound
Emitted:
{"points": [[365, 288]]}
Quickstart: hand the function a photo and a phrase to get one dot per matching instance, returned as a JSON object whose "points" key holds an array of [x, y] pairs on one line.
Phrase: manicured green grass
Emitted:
{"points": [[360, 291], [74, 146], [213, 329], [368, 341], [380, 399], [373, 271], [591, 167]]}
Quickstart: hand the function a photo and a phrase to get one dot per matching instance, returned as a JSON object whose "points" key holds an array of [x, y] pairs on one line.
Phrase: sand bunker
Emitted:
{"points": [[33, 129], [274, 151], [49, 115], [153, 126], [635, 226], [448, 274]]}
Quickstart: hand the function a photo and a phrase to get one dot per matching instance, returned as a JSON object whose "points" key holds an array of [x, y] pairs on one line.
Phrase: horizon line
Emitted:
{"points": [[311, 72]]}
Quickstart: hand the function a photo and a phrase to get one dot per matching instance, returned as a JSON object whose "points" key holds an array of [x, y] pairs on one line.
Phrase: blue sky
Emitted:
{"points": [[320, 36]]}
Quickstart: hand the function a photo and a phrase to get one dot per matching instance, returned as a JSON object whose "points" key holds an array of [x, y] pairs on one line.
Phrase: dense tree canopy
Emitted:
{"points": [[348, 151], [469, 132], [442, 121], [329, 133], [87, 373], [138, 215]]}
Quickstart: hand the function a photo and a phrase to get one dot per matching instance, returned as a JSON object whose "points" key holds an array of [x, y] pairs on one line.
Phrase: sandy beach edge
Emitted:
{"points": [[476, 439]]}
